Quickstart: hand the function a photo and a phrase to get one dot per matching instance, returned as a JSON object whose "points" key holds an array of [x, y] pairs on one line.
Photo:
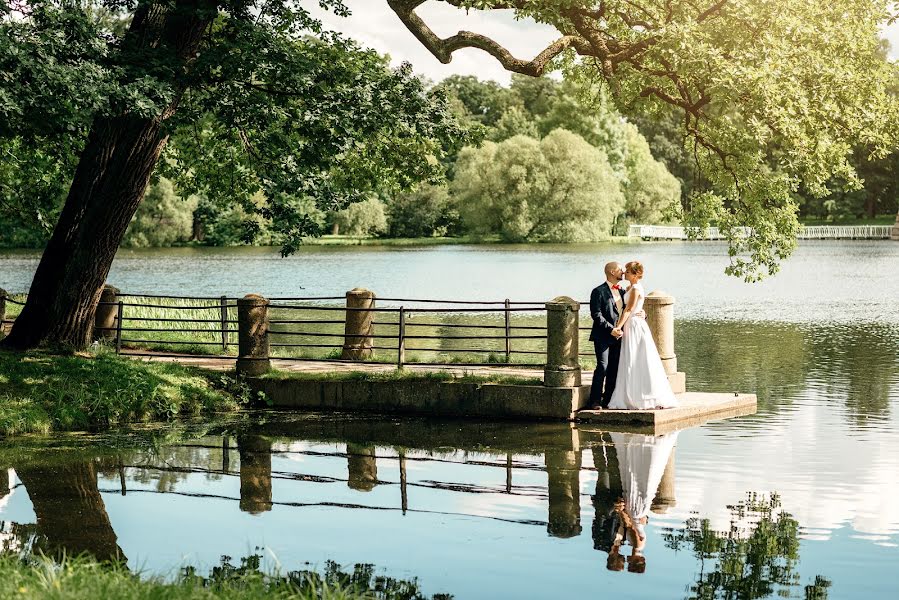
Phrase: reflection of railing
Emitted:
{"points": [[814, 232]]}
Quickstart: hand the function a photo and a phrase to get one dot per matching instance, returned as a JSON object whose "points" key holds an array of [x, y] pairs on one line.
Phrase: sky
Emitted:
{"points": [[375, 25]]}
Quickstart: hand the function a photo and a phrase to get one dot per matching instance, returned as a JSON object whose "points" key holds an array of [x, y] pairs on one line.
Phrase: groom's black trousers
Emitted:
{"points": [[606, 372]]}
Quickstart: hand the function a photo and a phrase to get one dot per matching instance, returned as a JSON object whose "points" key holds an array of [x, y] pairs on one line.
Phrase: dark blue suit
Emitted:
{"points": [[608, 349]]}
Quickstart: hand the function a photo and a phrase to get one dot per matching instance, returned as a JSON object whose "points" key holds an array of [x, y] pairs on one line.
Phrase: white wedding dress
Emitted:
{"points": [[642, 383], [642, 460]]}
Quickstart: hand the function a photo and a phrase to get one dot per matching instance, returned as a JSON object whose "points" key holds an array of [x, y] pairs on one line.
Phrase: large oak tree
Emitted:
{"points": [[234, 99], [797, 84]]}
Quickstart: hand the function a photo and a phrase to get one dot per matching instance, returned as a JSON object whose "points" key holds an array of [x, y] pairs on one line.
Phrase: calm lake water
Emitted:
{"points": [[798, 500]]}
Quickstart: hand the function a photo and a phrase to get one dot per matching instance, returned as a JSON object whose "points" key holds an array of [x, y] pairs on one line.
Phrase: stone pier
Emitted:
{"points": [[894, 234]]}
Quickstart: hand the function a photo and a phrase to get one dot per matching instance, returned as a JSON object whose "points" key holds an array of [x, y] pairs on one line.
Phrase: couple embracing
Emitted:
{"points": [[629, 373]]}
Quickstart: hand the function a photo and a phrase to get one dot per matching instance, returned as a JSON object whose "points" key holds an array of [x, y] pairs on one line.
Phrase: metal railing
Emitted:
{"points": [[814, 232], [312, 328], [490, 330]]}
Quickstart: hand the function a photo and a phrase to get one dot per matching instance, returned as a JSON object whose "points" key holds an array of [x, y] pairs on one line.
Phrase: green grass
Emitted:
{"points": [[42, 392], [81, 578], [405, 375]]}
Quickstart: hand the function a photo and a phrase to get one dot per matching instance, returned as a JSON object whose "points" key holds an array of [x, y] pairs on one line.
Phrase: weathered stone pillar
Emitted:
{"points": [[106, 317], [358, 330], [562, 366], [894, 234], [252, 335], [665, 497], [3, 295], [362, 467], [659, 308], [563, 470]]}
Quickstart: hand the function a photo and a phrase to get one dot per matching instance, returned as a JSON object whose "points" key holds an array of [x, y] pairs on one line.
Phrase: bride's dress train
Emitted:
{"points": [[642, 383]]}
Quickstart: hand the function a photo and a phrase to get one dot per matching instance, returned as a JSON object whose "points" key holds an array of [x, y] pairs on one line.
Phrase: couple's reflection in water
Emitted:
{"points": [[635, 476]]}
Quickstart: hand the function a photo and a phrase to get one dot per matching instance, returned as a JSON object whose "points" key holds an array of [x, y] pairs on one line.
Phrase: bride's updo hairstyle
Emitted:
{"points": [[634, 268]]}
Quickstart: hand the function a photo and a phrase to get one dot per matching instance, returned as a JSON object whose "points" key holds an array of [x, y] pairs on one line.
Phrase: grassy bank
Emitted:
{"points": [[405, 375], [42, 392], [83, 578]]}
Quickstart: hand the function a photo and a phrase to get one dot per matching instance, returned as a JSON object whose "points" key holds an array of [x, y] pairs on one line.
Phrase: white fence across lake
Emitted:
{"points": [[816, 232]]}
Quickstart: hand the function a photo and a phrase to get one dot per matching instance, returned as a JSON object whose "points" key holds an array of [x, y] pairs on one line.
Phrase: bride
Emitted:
{"points": [[642, 383]]}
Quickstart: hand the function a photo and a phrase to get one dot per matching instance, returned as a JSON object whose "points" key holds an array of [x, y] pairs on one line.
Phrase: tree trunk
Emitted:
{"points": [[112, 175], [71, 515], [870, 205]]}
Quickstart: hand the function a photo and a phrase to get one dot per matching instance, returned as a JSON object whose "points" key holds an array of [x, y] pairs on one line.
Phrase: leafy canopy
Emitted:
{"points": [[796, 84], [272, 106]]}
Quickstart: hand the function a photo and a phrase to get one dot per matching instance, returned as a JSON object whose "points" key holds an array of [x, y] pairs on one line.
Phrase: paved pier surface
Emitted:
{"points": [[695, 409]]}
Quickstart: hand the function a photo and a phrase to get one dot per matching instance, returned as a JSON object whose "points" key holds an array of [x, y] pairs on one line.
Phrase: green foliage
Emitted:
{"points": [[560, 189], [585, 110], [362, 218], [162, 219], [425, 211], [43, 392], [755, 558], [515, 121], [772, 94], [33, 176], [649, 188], [82, 578], [484, 101], [275, 120]]}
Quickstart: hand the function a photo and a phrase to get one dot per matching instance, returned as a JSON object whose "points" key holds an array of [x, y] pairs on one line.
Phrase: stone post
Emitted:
{"points": [[252, 335], [562, 366], [358, 329], [665, 497], [106, 317], [659, 308], [255, 473], [894, 234], [362, 466], [3, 296], [563, 471]]}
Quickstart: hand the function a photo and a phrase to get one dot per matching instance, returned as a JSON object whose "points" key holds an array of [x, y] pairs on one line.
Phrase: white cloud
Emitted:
{"points": [[374, 24]]}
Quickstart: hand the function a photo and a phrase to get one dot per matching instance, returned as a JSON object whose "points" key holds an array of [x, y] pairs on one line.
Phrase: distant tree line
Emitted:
{"points": [[551, 161]]}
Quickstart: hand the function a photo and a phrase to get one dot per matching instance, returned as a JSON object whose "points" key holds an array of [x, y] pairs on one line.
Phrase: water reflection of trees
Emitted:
{"points": [[860, 363], [70, 514], [362, 581], [779, 360], [756, 557]]}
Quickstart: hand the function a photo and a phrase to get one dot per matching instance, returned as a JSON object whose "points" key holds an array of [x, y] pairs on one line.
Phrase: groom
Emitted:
{"points": [[606, 304]]}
